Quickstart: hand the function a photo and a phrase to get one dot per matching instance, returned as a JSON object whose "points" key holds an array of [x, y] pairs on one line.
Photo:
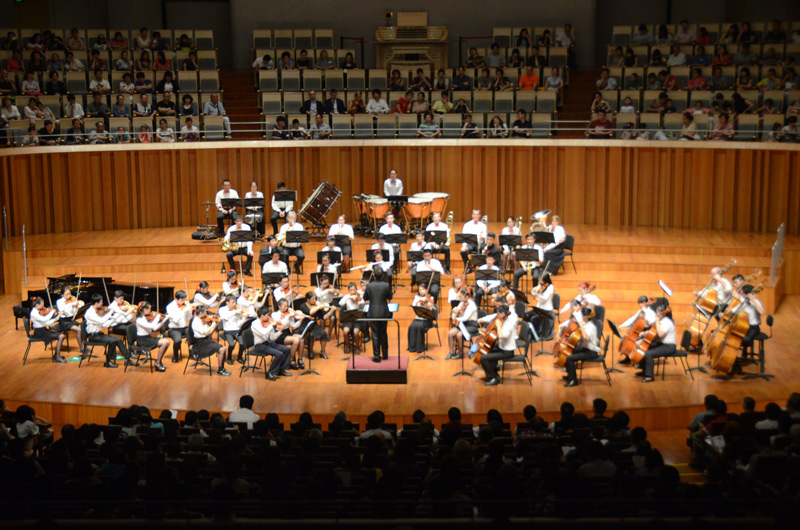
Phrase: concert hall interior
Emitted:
{"points": [[251, 315]]}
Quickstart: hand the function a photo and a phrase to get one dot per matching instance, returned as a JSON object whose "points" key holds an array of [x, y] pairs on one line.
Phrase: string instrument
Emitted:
{"points": [[458, 314], [102, 310], [736, 301], [724, 346], [569, 338], [536, 290], [649, 337], [487, 341], [628, 345], [210, 319], [158, 332], [704, 304]]}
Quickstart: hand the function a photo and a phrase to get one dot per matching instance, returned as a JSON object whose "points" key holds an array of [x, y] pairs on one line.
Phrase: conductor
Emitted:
{"points": [[378, 293]]}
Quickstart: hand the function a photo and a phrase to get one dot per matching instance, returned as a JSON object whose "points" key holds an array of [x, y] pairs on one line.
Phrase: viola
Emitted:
{"points": [[459, 313], [102, 310], [45, 310]]}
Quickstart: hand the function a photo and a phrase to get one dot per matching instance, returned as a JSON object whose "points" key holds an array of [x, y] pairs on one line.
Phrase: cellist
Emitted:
{"points": [[665, 337], [585, 299], [722, 286], [506, 326], [589, 347], [644, 312]]}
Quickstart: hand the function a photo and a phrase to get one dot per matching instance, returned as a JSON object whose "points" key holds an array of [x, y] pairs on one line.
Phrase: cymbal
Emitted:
{"points": [[541, 214], [206, 203]]}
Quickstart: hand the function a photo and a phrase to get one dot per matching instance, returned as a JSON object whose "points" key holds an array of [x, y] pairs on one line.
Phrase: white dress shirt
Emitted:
{"points": [[509, 231], [754, 309], [42, 321], [544, 300], [296, 227], [145, 327], [341, 230], [244, 416], [262, 333], [200, 298], [68, 310], [648, 314], [200, 329], [492, 284], [247, 306], [723, 288], [540, 253], [287, 320], [120, 316], [281, 206], [379, 106], [559, 235], [432, 265], [221, 194], [96, 323], [388, 247], [324, 297], [178, 317], [452, 295], [508, 341], [246, 228], [668, 326], [394, 229], [477, 228], [254, 195], [232, 319], [279, 294], [470, 313], [351, 303], [390, 188], [273, 267], [589, 339]]}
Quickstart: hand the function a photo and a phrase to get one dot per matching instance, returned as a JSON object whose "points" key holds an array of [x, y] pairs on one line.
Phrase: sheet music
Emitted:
{"points": [[463, 329]]}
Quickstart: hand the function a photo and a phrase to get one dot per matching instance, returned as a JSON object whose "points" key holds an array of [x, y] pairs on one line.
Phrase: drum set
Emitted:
{"points": [[371, 210]]}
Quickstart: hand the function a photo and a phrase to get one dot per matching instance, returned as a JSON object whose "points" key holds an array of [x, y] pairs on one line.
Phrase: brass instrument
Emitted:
{"points": [[539, 219], [449, 223], [281, 238], [518, 224], [227, 245]]}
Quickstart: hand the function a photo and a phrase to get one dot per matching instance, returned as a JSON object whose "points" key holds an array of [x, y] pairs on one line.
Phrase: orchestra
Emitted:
{"points": [[485, 313]]}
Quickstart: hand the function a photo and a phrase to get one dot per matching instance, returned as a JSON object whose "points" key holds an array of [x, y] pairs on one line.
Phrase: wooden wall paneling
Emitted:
{"points": [[740, 210], [679, 214], [618, 159], [572, 188], [484, 186]]}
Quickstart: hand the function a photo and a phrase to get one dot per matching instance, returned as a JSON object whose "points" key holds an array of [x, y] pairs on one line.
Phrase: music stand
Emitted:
{"points": [[302, 338], [423, 277], [426, 314], [520, 295], [316, 278], [343, 241], [255, 202], [228, 204], [396, 240], [413, 257], [546, 315], [286, 195], [477, 260], [296, 236], [436, 236], [528, 255], [334, 255], [510, 240], [348, 317], [488, 274], [470, 239], [614, 332], [543, 238], [370, 253], [463, 330]]}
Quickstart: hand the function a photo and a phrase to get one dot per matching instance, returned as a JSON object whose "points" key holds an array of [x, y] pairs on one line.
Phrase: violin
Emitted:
{"points": [[45, 311], [210, 319], [462, 307], [152, 316], [102, 310]]}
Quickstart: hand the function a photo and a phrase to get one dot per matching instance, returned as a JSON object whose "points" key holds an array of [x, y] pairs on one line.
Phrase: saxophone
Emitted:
{"points": [[449, 223]]}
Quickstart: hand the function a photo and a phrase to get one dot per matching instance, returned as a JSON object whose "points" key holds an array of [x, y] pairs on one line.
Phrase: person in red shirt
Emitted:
{"points": [[403, 103], [601, 127], [529, 80]]}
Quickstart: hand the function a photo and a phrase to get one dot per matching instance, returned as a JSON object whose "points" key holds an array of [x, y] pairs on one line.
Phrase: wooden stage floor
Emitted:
{"points": [[623, 262]]}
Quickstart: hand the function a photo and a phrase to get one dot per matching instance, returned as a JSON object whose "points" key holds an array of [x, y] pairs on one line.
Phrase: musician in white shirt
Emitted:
{"points": [[543, 292], [723, 288], [279, 209], [436, 225], [455, 289], [245, 249], [475, 227], [644, 312], [249, 303], [146, 323], [385, 266], [68, 308], [41, 324], [589, 347], [328, 267], [381, 245], [341, 228], [430, 264], [283, 292], [510, 229], [325, 294], [265, 254], [506, 330], [179, 313], [486, 287], [292, 249], [754, 309], [224, 213], [392, 186], [203, 345], [553, 252], [256, 210], [231, 284], [265, 333], [202, 296], [391, 228], [95, 324], [464, 315], [352, 301], [232, 319], [123, 312], [666, 345], [286, 322], [275, 265], [418, 245], [526, 266]]}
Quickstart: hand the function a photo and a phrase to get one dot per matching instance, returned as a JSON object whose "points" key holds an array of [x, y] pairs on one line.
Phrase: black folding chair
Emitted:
{"points": [[26, 323], [145, 354]]}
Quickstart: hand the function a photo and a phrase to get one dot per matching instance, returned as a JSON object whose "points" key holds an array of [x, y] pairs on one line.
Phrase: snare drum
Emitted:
{"points": [[320, 203], [438, 200]]}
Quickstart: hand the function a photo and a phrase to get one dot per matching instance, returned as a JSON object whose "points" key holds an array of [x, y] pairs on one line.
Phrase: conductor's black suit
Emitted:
{"points": [[378, 293]]}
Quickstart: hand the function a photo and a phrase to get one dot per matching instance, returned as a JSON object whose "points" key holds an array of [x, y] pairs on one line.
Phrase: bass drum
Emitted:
{"points": [[320, 203]]}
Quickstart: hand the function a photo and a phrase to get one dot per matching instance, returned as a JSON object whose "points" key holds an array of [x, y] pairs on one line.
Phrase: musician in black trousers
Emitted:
{"points": [[378, 293]]}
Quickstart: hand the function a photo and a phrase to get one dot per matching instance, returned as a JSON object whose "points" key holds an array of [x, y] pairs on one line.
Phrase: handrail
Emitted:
{"points": [[777, 254]]}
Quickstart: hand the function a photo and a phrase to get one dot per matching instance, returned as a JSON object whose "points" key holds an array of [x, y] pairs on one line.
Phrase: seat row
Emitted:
{"points": [[749, 127], [388, 126], [646, 55], [201, 39], [175, 60], [622, 76], [293, 38], [622, 35], [207, 82], [682, 100]]}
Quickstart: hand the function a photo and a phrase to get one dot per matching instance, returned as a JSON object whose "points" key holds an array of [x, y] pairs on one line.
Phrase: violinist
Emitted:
{"points": [[418, 245], [543, 293], [436, 225], [455, 290], [179, 313], [352, 301], [419, 326], [313, 310], [381, 245], [275, 265], [589, 346], [265, 254], [68, 307], [96, 320], [431, 264], [203, 328], [475, 227], [249, 303], [325, 295], [123, 312], [526, 267], [341, 228], [284, 292], [379, 264], [723, 288], [203, 296], [754, 309], [146, 323], [662, 346], [464, 317], [41, 321], [286, 323], [504, 296], [231, 283], [487, 287], [232, 318], [245, 249], [293, 249], [392, 228], [506, 328], [265, 333], [644, 312]]}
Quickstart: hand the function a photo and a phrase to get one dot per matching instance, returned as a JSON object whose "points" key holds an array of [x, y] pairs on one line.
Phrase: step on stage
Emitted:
{"points": [[624, 263]]}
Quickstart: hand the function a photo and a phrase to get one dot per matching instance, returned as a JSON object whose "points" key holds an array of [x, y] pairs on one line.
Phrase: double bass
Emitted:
{"points": [[628, 345], [726, 342], [704, 305], [649, 337]]}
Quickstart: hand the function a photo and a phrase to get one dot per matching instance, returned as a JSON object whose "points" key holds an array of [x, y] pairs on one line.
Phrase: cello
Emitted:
{"points": [[726, 343], [570, 338], [628, 345], [647, 340], [487, 341], [704, 303]]}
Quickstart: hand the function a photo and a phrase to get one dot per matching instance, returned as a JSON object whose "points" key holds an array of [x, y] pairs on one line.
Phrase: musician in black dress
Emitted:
{"points": [[146, 324], [315, 311], [203, 345], [419, 326]]}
